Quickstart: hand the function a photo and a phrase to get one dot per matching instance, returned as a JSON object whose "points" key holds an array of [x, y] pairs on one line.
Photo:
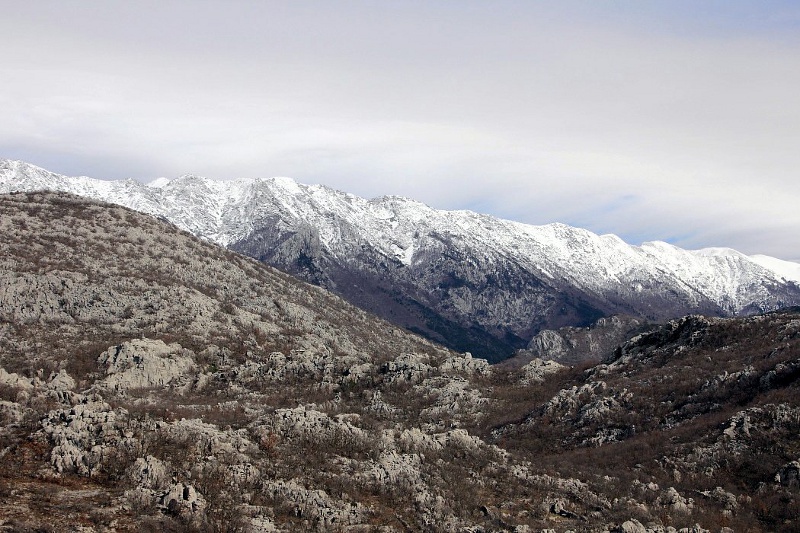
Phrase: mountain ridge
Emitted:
{"points": [[471, 281], [96, 187]]}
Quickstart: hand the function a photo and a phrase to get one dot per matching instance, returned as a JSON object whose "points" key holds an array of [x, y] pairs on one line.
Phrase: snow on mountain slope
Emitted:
{"points": [[786, 269], [470, 250]]}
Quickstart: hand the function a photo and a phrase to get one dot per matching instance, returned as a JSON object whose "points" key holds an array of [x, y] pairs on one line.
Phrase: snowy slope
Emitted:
{"points": [[653, 280], [786, 269]]}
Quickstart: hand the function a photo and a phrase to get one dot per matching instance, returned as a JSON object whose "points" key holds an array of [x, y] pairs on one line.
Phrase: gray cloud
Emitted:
{"points": [[673, 121]]}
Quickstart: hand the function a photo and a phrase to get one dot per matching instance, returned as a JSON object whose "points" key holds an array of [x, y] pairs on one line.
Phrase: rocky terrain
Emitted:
{"points": [[468, 281], [576, 345], [150, 380]]}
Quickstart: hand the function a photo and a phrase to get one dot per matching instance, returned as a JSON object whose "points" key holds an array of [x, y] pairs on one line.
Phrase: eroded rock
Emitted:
{"points": [[141, 363]]}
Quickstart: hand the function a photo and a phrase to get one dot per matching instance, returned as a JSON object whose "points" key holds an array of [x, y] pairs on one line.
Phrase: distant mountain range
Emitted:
{"points": [[469, 281]]}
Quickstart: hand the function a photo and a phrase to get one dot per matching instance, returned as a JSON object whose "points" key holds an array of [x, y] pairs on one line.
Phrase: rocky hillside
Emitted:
{"points": [[698, 416], [153, 381], [471, 282]]}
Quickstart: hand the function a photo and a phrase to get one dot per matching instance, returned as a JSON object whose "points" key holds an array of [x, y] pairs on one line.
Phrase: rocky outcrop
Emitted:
{"points": [[182, 500], [149, 473], [86, 436], [408, 367], [671, 498], [142, 363], [465, 364], [315, 509], [537, 370]]}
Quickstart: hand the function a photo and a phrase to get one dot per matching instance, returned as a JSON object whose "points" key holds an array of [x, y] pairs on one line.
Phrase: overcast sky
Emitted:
{"points": [[674, 120]]}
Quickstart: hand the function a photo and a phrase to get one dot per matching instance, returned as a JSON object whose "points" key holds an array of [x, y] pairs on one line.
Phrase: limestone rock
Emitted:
{"points": [[14, 380], [182, 499], [573, 345], [632, 526], [456, 398], [149, 472], [465, 365], [141, 363], [85, 435], [671, 498], [10, 413], [61, 382], [323, 511], [210, 440], [537, 370], [408, 367]]}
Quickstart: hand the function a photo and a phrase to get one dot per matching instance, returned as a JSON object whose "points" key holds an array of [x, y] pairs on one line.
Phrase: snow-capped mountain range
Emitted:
{"points": [[469, 280]]}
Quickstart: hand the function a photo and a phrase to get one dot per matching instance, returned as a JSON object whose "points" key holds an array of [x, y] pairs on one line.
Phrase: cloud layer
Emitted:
{"points": [[674, 121]]}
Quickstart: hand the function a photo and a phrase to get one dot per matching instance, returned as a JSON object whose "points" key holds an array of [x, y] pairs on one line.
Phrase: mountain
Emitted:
{"points": [[471, 282], [153, 381]]}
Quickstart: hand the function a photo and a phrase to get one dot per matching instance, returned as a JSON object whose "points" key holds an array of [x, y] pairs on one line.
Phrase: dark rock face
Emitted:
{"points": [[449, 294]]}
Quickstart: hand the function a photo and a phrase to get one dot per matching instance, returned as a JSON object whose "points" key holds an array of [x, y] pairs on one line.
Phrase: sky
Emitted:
{"points": [[653, 120]]}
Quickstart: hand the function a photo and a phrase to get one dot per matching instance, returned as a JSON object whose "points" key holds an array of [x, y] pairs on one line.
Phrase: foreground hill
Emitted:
{"points": [[471, 282], [153, 381]]}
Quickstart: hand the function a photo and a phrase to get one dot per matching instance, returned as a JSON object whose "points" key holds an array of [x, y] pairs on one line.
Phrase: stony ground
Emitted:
{"points": [[151, 381]]}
